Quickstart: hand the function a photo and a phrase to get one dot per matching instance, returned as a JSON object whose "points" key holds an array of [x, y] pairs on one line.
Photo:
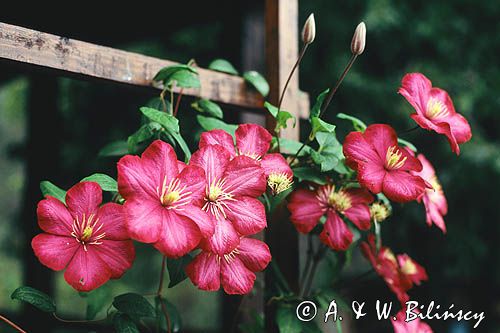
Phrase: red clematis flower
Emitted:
{"points": [[415, 326], [435, 110], [163, 204], [434, 200], [399, 274], [235, 270], [254, 141], [382, 165], [229, 198], [91, 242], [307, 207]]}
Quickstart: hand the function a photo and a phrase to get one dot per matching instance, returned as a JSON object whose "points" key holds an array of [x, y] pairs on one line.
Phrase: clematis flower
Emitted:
{"points": [[434, 200], [434, 110], [254, 141], [163, 204], [91, 242], [415, 326], [307, 207], [400, 274], [234, 270], [382, 165]]}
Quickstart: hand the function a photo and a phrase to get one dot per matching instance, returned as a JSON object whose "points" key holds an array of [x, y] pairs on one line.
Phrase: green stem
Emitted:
{"points": [[378, 236]]}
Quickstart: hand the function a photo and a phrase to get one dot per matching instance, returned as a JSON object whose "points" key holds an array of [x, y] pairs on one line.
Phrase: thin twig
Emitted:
{"points": [[309, 259], [406, 131], [12, 324], [179, 97], [316, 259], [165, 312], [76, 321]]}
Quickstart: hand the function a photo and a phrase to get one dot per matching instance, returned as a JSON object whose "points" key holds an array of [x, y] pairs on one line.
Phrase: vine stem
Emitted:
{"points": [[406, 131], [309, 259], [378, 235], [12, 324], [76, 321], [177, 104], [159, 293], [310, 277]]}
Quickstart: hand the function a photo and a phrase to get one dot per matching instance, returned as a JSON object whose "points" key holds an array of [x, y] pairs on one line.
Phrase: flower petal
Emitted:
{"points": [[358, 150], [86, 271], [118, 255], [236, 279], [204, 271], [415, 87], [193, 179], [133, 181], [276, 163], [254, 254], [359, 196], [84, 198], [178, 236], [159, 161], [218, 137], [305, 210], [54, 217], [371, 176], [55, 252], [359, 215], [213, 159], [335, 233], [400, 186], [244, 176], [224, 240], [252, 140], [247, 214], [112, 217], [205, 222], [144, 219], [381, 137], [460, 128]]}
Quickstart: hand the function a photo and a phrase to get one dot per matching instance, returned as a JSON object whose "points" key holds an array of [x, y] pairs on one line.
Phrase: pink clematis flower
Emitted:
{"points": [[435, 110], [163, 204], [415, 326], [254, 141], [91, 242], [434, 200], [382, 165], [400, 274], [235, 270], [307, 207]]}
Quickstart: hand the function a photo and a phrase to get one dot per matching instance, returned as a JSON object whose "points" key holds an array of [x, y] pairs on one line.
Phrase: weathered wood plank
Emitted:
{"points": [[68, 55]]}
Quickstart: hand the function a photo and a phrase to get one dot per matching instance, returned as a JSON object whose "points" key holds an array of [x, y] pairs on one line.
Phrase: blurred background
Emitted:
{"points": [[52, 128]]}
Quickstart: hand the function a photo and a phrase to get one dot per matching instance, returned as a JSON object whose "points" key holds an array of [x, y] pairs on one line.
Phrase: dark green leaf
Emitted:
{"points": [[222, 65], [134, 305], [124, 324], [96, 300], [407, 144], [356, 123], [166, 73], [185, 79], [48, 188], [145, 132], [309, 174], [157, 104], [316, 109], [116, 148], [287, 320], [173, 313], [176, 269], [257, 81], [319, 125], [209, 123], [38, 299], [106, 182], [329, 155], [208, 107], [254, 326], [185, 149], [166, 120]]}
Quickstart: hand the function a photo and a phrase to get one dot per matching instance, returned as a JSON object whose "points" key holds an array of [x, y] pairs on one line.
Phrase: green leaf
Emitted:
{"points": [[407, 144], [96, 300], [157, 104], [134, 305], [273, 110], [287, 320], [254, 326], [124, 324], [356, 123], [185, 149], [209, 123], [291, 147], [282, 118], [176, 269], [319, 125], [173, 313], [165, 74], [185, 79], [222, 65], [257, 81], [329, 155], [145, 132], [208, 107], [38, 299], [106, 182], [166, 120], [48, 188], [316, 109], [116, 148], [309, 174]]}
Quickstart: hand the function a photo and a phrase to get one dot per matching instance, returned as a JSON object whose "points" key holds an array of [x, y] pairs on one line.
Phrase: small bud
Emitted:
{"points": [[379, 212], [309, 30], [359, 39]]}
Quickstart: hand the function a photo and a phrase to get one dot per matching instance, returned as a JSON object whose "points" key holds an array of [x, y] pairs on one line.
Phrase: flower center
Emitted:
{"points": [[86, 231], [409, 267], [379, 212], [394, 158], [174, 195], [388, 255], [216, 199], [228, 257], [436, 109], [279, 182], [340, 201]]}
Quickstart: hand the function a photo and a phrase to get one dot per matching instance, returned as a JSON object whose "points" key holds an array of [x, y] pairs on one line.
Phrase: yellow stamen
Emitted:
{"points": [[379, 212], [436, 109], [409, 267], [170, 198], [87, 233], [340, 200], [393, 158], [387, 254], [279, 182]]}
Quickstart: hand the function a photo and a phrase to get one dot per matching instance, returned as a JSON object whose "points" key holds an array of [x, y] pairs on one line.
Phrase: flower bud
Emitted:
{"points": [[309, 30], [359, 39], [379, 212]]}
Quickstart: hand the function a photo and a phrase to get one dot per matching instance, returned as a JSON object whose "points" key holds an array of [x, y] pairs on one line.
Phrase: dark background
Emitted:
{"points": [[52, 128]]}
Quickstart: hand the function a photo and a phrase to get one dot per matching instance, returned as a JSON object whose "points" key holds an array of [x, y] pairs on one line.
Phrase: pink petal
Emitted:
{"points": [[181, 165], [118, 255], [159, 161], [359, 215], [224, 240], [204, 271], [381, 137], [460, 128], [87, 271], [193, 180], [357, 149], [371, 176], [144, 219], [247, 214], [133, 181], [276, 163], [205, 223], [359, 196], [213, 159], [244, 176], [55, 252], [252, 140], [438, 127], [335, 233], [400, 186], [84, 198], [305, 210], [433, 214], [415, 87], [254, 254], [112, 217], [54, 217], [178, 236], [218, 137], [411, 162], [236, 279]]}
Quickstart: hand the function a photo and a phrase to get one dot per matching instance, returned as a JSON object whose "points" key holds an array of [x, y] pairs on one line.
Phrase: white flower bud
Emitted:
{"points": [[359, 39], [309, 30]]}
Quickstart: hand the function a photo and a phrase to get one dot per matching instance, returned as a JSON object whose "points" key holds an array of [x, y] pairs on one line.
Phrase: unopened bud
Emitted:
{"points": [[359, 39], [309, 30], [379, 212]]}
